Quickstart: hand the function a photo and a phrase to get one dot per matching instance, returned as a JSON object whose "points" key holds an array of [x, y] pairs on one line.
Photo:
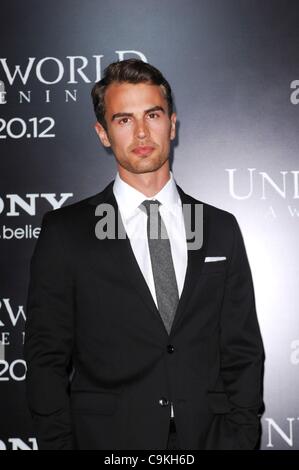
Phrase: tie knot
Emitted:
{"points": [[150, 206]]}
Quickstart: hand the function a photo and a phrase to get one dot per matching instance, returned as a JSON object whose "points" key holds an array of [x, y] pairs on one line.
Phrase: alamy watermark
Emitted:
{"points": [[110, 224]]}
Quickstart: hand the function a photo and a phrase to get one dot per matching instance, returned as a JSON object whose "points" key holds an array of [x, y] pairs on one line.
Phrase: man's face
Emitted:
{"points": [[139, 129]]}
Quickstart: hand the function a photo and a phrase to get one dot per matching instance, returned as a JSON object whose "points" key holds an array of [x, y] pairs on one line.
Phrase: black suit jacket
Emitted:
{"points": [[102, 369]]}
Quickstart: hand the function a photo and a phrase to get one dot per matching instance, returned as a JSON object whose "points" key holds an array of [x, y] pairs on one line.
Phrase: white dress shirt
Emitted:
{"points": [[135, 224]]}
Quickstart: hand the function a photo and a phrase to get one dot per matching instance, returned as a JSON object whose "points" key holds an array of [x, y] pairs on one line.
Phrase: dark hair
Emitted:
{"points": [[130, 71]]}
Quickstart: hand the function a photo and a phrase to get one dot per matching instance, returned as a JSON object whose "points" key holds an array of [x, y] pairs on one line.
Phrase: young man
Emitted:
{"points": [[161, 339]]}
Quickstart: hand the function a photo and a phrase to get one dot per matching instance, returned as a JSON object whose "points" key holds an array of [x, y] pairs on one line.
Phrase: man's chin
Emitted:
{"points": [[143, 167]]}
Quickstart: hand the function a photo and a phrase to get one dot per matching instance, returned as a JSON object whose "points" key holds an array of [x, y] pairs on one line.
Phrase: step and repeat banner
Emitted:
{"points": [[234, 69]]}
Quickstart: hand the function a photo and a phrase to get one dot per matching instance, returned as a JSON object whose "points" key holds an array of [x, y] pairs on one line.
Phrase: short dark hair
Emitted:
{"points": [[130, 71]]}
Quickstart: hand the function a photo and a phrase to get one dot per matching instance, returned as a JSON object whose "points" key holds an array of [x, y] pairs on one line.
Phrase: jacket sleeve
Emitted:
{"points": [[49, 338], [242, 356]]}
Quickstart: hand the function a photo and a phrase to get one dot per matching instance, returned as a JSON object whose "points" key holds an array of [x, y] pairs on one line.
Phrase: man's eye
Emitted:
{"points": [[153, 115], [124, 120]]}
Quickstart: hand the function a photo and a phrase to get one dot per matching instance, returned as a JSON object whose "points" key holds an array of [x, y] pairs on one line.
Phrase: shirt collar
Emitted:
{"points": [[129, 198]]}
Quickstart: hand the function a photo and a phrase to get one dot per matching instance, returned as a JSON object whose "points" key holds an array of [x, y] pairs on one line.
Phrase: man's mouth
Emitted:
{"points": [[143, 150]]}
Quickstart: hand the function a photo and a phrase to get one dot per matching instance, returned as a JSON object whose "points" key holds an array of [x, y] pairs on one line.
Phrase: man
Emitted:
{"points": [[142, 341]]}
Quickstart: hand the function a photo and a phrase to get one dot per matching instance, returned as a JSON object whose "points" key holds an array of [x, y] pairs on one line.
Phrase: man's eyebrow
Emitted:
{"points": [[150, 110], [155, 108]]}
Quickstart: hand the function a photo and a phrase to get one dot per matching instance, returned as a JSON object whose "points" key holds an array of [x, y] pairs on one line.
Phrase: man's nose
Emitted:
{"points": [[141, 129]]}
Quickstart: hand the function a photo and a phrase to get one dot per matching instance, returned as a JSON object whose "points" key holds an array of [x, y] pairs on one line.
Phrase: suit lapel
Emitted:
{"points": [[195, 260], [124, 257]]}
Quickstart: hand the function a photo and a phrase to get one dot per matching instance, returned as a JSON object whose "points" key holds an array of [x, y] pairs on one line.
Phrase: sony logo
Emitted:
{"points": [[11, 203]]}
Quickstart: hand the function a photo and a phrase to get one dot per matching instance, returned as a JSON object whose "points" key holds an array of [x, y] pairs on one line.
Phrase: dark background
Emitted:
{"points": [[230, 64]]}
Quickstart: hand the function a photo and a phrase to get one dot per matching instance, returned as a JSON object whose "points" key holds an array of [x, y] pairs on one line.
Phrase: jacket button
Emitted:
{"points": [[170, 348], [163, 401]]}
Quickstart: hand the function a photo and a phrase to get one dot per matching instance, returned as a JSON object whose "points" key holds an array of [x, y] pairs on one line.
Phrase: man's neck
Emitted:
{"points": [[148, 184]]}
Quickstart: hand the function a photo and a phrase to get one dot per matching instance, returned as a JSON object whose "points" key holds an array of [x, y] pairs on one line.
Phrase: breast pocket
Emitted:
{"points": [[214, 267]]}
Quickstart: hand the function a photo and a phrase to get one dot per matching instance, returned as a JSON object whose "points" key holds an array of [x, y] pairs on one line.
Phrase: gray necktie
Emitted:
{"points": [[162, 263]]}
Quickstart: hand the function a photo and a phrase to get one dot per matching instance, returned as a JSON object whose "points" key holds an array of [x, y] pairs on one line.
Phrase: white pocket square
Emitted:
{"points": [[212, 259]]}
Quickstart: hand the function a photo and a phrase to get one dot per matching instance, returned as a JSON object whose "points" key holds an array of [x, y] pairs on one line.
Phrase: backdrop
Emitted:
{"points": [[234, 69]]}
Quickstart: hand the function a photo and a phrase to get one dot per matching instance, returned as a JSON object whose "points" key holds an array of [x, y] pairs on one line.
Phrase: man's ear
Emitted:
{"points": [[172, 126], [102, 134]]}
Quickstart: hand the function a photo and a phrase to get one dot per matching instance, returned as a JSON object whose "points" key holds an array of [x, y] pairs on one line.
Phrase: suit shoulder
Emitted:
{"points": [[76, 211], [212, 213], [67, 213], [219, 215], [223, 227]]}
